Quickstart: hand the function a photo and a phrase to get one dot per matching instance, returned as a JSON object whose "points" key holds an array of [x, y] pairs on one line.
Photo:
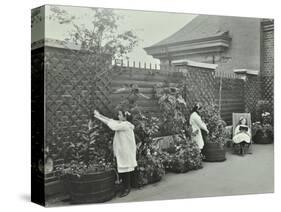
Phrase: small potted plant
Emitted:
{"points": [[90, 174], [214, 146]]}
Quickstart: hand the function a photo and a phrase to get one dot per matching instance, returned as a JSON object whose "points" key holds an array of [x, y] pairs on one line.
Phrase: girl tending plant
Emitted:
{"points": [[197, 125], [124, 146]]}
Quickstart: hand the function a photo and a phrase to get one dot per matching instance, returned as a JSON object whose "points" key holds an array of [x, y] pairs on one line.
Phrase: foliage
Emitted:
{"points": [[262, 110], [229, 132], [55, 148], [130, 103], [173, 112], [266, 118], [262, 132], [183, 156], [36, 16], [90, 150], [263, 129], [150, 167], [146, 125], [216, 126], [101, 35]]}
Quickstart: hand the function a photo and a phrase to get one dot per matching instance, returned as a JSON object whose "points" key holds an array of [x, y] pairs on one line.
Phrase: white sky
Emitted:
{"points": [[150, 27]]}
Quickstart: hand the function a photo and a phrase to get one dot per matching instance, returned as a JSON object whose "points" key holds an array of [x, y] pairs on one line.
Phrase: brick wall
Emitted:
{"points": [[268, 48], [267, 72]]}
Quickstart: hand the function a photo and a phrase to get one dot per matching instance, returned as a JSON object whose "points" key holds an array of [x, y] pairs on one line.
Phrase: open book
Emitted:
{"points": [[243, 128]]}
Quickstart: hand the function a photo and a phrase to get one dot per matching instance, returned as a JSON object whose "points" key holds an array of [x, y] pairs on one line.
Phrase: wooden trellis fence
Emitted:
{"points": [[76, 82]]}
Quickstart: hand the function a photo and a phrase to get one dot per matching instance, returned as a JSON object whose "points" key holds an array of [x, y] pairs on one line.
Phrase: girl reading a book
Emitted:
{"points": [[242, 135], [124, 146]]}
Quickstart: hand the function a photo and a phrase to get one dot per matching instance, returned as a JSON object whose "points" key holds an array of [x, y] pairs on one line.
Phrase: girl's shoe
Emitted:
{"points": [[242, 151], [124, 193]]}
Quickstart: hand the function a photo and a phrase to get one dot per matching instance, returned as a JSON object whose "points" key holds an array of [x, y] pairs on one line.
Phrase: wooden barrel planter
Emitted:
{"points": [[54, 185], [213, 152], [262, 138], [92, 188], [55, 190]]}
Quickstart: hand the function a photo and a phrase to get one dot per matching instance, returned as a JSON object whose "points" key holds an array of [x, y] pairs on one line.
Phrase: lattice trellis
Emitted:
{"points": [[76, 83], [101, 85], [200, 86]]}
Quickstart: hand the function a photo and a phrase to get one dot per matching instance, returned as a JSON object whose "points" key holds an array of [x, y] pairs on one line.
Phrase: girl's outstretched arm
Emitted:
{"points": [[100, 117], [112, 124]]}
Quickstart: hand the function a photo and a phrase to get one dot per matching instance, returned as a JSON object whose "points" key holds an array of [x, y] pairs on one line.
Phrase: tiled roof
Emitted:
{"points": [[200, 27]]}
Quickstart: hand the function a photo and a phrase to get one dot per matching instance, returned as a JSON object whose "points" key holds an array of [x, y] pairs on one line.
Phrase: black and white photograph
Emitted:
{"points": [[135, 105]]}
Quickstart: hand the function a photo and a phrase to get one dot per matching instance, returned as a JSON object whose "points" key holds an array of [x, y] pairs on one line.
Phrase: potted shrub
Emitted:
{"points": [[172, 107], [179, 153], [262, 133], [173, 110], [183, 156], [263, 111], [262, 130], [214, 146], [90, 174], [150, 168]]}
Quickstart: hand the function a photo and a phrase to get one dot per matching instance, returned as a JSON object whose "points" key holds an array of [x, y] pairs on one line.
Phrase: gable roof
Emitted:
{"points": [[200, 27]]}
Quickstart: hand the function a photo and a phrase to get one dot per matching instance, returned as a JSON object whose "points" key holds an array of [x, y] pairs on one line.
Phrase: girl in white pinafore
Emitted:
{"points": [[242, 135], [197, 125], [124, 146]]}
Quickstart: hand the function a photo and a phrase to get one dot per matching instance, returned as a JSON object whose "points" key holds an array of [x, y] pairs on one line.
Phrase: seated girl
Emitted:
{"points": [[242, 135]]}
